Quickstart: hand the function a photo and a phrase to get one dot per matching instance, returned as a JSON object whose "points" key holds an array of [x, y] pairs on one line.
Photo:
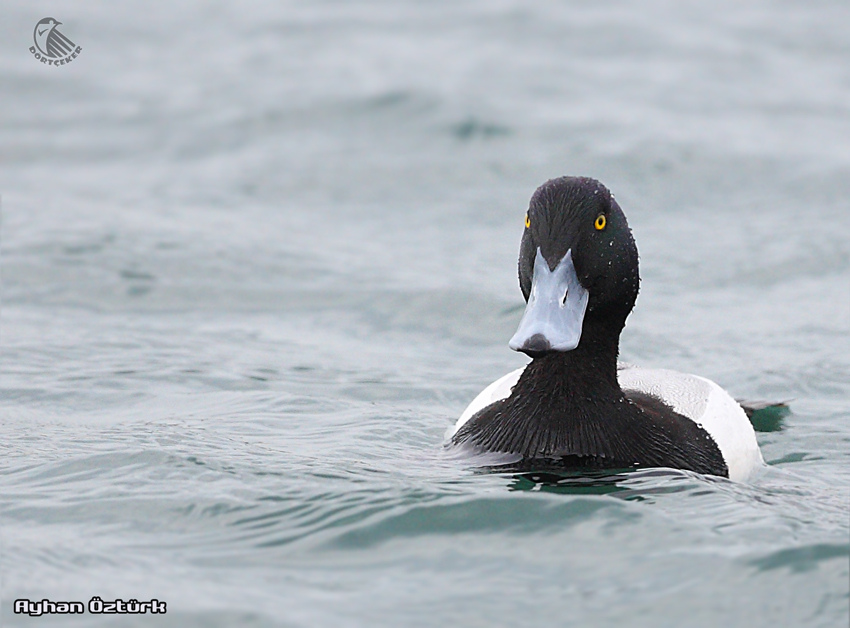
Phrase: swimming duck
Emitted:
{"points": [[573, 405]]}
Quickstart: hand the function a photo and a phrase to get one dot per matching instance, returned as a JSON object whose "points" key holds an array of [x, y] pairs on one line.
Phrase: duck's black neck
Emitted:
{"points": [[589, 369]]}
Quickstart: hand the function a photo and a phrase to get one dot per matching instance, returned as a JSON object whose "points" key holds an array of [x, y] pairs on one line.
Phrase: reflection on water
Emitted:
{"points": [[628, 484], [570, 483]]}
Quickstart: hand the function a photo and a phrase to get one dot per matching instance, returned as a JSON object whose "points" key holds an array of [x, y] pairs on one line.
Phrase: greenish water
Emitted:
{"points": [[256, 260]]}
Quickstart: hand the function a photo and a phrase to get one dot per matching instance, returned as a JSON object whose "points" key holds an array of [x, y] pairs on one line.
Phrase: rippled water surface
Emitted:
{"points": [[256, 259]]}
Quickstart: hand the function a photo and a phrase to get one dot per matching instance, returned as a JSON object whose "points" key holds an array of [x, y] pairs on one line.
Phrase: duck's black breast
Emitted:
{"points": [[545, 420]]}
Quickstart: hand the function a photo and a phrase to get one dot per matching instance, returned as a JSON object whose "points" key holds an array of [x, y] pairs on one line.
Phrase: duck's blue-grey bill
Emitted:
{"points": [[555, 310]]}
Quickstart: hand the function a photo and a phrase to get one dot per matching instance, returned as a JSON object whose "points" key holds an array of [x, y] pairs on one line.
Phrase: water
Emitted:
{"points": [[257, 259]]}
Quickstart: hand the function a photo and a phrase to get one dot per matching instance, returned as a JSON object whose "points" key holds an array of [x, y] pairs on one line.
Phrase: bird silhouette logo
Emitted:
{"points": [[51, 46], [50, 41]]}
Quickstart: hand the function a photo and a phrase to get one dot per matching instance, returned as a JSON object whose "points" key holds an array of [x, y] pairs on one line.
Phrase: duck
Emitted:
{"points": [[574, 405]]}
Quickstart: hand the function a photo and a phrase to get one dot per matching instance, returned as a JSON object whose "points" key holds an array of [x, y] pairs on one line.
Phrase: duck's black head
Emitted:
{"points": [[578, 266]]}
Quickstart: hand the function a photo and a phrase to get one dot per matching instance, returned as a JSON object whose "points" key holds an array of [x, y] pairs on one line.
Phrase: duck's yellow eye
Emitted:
{"points": [[527, 221], [600, 222]]}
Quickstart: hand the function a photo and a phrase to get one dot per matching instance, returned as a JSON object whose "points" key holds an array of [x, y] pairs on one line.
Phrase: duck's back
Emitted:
{"points": [[699, 399], [706, 404]]}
